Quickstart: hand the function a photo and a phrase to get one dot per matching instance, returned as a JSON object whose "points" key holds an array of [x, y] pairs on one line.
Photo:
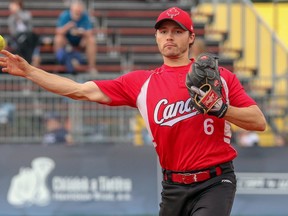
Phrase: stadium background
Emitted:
{"points": [[251, 40]]}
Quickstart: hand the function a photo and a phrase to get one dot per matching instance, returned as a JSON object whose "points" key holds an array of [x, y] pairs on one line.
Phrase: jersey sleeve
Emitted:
{"points": [[62, 19], [86, 22], [238, 97], [125, 89]]}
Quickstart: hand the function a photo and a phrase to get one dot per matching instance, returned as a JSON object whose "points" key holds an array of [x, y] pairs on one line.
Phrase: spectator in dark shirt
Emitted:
{"points": [[24, 41], [56, 133], [75, 30]]}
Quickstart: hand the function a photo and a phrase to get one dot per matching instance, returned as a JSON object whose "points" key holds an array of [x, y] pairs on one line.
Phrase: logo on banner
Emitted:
{"points": [[29, 187], [262, 183]]}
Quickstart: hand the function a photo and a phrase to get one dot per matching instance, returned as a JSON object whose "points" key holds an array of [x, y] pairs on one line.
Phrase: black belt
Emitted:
{"points": [[196, 176]]}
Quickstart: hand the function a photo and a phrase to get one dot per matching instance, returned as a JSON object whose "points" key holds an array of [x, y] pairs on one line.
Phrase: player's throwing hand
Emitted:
{"points": [[13, 64]]}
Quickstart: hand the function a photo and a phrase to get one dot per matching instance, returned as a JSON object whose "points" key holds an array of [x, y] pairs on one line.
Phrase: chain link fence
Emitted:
{"points": [[25, 107]]}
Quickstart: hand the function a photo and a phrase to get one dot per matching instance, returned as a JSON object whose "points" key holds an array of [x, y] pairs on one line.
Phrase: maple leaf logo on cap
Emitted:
{"points": [[173, 12], [182, 18]]}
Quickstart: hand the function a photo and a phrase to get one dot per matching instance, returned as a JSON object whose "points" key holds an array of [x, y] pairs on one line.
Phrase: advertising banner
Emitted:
{"points": [[122, 179], [262, 182], [108, 179]]}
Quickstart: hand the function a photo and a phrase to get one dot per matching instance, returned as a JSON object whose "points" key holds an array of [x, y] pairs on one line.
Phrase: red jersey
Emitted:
{"points": [[183, 138]]}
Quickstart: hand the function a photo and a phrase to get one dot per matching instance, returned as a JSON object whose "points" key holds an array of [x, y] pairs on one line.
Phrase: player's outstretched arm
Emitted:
{"points": [[249, 118], [17, 66]]}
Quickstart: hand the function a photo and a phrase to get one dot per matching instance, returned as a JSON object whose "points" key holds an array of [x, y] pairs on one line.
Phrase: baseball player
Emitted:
{"points": [[189, 121]]}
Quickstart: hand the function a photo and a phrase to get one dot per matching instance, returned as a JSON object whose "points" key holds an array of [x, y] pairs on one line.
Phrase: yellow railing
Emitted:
{"points": [[262, 51]]}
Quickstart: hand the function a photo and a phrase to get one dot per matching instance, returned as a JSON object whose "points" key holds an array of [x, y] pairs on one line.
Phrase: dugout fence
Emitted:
{"points": [[24, 108]]}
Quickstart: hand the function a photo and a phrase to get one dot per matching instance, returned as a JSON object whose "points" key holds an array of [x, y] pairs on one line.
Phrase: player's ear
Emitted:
{"points": [[192, 38]]}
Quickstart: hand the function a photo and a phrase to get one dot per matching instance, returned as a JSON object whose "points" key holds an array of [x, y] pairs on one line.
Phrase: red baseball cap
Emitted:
{"points": [[182, 18]]}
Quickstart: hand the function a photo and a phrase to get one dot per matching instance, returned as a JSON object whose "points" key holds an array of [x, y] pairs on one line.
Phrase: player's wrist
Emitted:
{"points": [[222, 112]]}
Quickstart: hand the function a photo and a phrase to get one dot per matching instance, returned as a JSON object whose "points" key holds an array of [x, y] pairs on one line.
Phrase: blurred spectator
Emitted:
{"points": [[7, 111], [281, 139], [23, 41], [198, 47], [75, 32], [248, 138], [56, 133]]}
